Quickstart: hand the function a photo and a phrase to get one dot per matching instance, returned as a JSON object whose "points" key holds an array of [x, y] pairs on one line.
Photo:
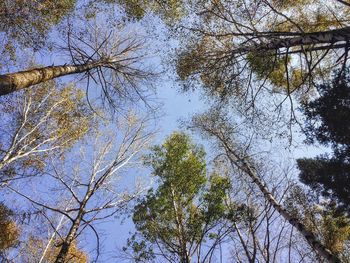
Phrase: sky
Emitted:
{"points": [[176, 106]]}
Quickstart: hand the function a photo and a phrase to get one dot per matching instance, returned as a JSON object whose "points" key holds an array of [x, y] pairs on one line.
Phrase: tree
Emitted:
{"points": [[37, 123], [248, 51], [328, 177], [326, 116], [86, 188], [29, 22], [216, 126], [168, 10], [264, 235], [8, 228], [243, 48], [327, 123], [187, 216], [324, 218], [34, 246], [239, 49], [112, 62]]}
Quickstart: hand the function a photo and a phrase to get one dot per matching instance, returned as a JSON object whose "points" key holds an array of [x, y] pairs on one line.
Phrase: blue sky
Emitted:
{"points": [[176, 106]]}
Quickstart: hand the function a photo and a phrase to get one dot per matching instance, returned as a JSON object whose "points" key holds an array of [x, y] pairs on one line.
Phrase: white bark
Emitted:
{"points": [[91, 182], [241, 163], [329, 38]]}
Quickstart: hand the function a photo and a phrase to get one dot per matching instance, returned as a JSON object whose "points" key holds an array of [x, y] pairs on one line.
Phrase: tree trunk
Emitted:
{"points": [[309, 236], [52, 238], [62, 255], [23, 79], [214, 127], [329, 37], [184, 257]]}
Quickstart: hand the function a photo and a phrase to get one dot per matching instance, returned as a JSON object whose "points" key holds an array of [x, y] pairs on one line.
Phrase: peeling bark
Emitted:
{"points": [[61, 257]]}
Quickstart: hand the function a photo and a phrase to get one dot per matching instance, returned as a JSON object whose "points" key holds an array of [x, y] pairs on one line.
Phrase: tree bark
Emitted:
{"points": [[329, 37], [62, 255], [309, 236], [239, 161], [23, 79], [184, 255]]}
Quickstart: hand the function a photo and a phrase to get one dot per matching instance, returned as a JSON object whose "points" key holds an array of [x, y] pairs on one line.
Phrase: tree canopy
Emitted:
{"points": [[327, 122], [8, 228], [41, 122], [71, 171], [186, 217]]}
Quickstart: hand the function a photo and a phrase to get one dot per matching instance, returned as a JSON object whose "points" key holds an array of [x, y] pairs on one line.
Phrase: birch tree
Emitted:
{"points": [[265, 235], [289, 44], [217, 127], [240, 48], [90, 184], [248, 52], [38, 123], [323, 217], [34, 246]]}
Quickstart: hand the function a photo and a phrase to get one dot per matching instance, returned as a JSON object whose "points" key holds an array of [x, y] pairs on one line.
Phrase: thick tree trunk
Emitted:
{"points": [[330, 37], [309, 236], [24, 79]]}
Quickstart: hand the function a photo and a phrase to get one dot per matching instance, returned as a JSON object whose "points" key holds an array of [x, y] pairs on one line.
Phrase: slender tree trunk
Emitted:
{"points": [[223, 136], [330, 37], [182, 240], [52, 238], [244, 245], [23, 79], [62, 255], [309, 236]]}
